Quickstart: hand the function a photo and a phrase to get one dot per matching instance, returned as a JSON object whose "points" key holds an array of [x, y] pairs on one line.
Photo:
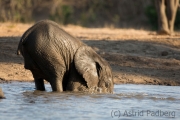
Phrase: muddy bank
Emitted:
{"points": [[136, 56]]}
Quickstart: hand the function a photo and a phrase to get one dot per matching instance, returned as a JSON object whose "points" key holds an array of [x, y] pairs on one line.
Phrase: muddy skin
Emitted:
{"points": [[54, 55]]}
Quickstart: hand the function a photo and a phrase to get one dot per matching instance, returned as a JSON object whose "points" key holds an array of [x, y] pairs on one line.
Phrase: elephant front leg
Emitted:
{"points": [[39, 84]]}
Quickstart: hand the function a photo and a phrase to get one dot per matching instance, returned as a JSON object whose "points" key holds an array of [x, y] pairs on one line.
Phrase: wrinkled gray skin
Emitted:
{"points": [[66, 63], [1, 94]]}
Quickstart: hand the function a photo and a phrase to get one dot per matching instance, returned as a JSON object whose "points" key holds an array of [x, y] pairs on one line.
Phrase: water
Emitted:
{"points": [[128, 102]]}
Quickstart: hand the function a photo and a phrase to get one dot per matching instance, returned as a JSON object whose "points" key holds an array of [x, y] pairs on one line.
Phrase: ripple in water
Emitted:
{"points": [[128, 102]]}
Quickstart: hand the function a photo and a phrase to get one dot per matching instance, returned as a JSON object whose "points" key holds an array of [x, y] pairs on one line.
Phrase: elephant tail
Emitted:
{"points": [[18, 52], [19, 49], [22, 41]]}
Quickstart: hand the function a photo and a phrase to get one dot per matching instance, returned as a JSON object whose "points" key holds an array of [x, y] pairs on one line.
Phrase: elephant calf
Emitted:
{"points": [[65, 62]]}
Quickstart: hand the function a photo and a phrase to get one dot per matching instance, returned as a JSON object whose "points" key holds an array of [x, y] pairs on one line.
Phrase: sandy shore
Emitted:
{"points": [[136, 56]]}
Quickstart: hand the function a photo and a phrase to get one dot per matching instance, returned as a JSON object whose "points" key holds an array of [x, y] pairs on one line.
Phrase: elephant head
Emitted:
{"points": [[94, 70]]}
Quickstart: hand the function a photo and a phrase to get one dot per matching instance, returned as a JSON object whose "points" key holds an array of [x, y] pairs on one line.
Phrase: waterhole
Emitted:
{"points": [[129, 101]]}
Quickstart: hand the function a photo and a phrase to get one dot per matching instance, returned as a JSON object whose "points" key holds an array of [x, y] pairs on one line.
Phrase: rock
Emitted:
{"points": [[164, 53], [1, 94]]}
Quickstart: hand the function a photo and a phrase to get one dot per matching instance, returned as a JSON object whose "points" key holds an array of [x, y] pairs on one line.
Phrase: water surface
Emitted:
{"points": [[129, 101]]}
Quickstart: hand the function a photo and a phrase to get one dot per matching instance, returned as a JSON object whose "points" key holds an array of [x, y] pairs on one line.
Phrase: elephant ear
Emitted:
{"points": [[87, 63]]}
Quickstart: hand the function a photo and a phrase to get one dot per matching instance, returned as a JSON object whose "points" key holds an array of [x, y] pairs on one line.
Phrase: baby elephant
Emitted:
{"points": [[65, 62], [1, 94]]}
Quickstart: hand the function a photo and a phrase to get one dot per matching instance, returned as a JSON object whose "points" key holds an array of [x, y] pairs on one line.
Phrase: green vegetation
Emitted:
{"points": [[88, 13], [62, 14], [152, 17], [177, 22], [14, 10]]}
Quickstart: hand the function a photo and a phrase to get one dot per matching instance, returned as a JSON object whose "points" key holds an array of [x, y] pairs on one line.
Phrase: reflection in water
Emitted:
{"points": [[23, 102]]}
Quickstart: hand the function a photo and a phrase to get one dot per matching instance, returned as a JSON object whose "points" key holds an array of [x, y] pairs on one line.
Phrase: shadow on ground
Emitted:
{"points": [[8, 47], [132, 61], [142, 62]]}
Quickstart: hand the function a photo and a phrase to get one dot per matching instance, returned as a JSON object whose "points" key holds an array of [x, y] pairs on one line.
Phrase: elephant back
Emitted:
{"points": [[47, 33], [48, 46]]}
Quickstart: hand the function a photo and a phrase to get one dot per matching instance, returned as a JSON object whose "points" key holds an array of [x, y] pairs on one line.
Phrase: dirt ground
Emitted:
{"points": [[136, 56]]}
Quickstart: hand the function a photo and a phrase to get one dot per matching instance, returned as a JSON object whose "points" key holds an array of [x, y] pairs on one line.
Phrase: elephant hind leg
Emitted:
{"points": [[56, 85], [39, 81], [57, 81], [39, 84]]}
